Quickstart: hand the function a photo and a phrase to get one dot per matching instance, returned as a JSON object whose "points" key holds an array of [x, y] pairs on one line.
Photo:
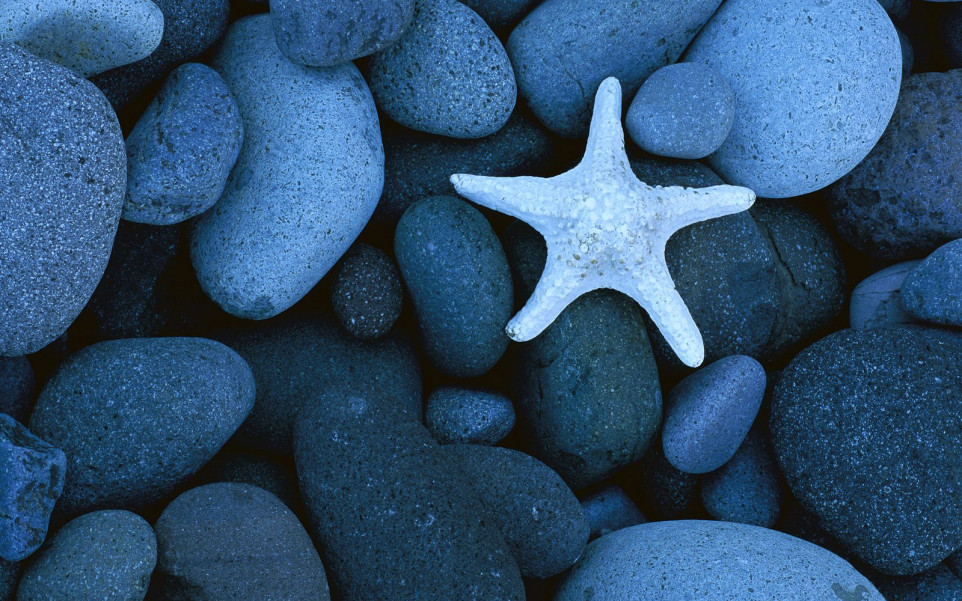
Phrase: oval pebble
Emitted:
{"points": [[746, 489], [500, 14], [235, 541], [325, 33], [137, 417], [293, 203], [802, 121], [683, 110], [458, 279], [448, 74], [461, 415], [183, 148], [708, 414], [876, 301], [695, 559], [18, 387], [89, 37], [608, 509], [367, 293], [932, 290], [64, 176], [106, 555]]}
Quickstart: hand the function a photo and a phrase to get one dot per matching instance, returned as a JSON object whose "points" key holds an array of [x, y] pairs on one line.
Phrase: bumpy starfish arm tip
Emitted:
{"points": [[606, 137], [682, 207], [555, 290]]}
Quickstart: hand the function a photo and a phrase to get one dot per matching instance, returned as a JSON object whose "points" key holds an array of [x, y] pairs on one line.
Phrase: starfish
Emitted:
{"points": [[604, 228]]}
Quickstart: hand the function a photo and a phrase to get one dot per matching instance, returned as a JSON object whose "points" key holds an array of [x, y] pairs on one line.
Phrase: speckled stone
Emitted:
{"points": [[954, 562], [876, 300], [539, 516], [932, 290], [293, 203], [136, 417], [462, 415], [664, 492], [9, 576], [746, 489], [31, 481], [64, 176], [802, 121], [447, 75], [418, 165], [415, 530], [609, 508], [683, 110], [367, 293], [296, 359], [500, 14], [190, 28], [865, 428], [937, 584], [105, 555], [87, 36], [182, 149], [458, 280], [563, 50], [322, 33], [235, 541], [18, 388], [708, 414], [900, 202], [677, 561], [257, 470]]}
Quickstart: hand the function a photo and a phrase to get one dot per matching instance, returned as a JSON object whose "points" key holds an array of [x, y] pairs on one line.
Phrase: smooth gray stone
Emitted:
{"points": [[747, 488], [462, 415], [294, 203], [932, 290], [876, 302], [608, 509]]}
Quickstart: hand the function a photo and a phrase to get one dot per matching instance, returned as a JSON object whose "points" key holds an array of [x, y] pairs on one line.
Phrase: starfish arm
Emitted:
{"points": [[606, 137], [680, 207], [527, 198], [556, 289]]}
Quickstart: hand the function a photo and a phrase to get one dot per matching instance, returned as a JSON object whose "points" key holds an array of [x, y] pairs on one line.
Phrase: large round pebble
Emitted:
{"points": [[18, 387], [677, 561], [367, 293], [876, 301], [136, 417], [294, 203], [63, 179], [932, 291], [106, 555], [747, 488], [468, 416], [448, 74], [608, 509], [182, 150], [802, 121]]}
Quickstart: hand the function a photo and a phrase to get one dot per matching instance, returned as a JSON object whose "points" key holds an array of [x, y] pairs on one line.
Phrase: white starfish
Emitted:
{"points": [[605, 229]]}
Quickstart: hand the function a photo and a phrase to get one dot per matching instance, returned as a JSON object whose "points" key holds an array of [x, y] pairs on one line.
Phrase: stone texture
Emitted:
{"points": [[462, 415], [500, 14], [367, 293], [275, 477], [937, 584], [876, 300], [609, 508], [747, 488], [932, 290], [18, 387], [664, 492]]}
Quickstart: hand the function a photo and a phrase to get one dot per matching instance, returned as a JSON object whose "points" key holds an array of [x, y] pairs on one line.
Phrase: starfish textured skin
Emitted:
{"points": [[604, 228]]}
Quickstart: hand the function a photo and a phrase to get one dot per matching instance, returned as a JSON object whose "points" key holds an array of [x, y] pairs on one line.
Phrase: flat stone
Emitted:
{"points": [[932, 290], [876, 300], [462, 415], [608, 509], [367, 294]]}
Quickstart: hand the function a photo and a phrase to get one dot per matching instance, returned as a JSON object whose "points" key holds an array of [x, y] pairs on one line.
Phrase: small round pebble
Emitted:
{"points": [[746, 489], [106, 555], [367, 293], [18, 387], [461, 415], [932, 290], [683, 110], [608, 509], [876, 301], [183, 148], [708, 414]]}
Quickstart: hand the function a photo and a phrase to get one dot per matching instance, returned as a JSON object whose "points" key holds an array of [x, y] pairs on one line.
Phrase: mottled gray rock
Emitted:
{"points": [[937, 584], [106, 555], [31, 481], [182, 149], [563, 50], [683, 110], [324, 33], [901, 201], [932, 290], [367, 293], [18, 388], [676, 561], [88, 37], [416, 529], [802, 121], [139, 416], [468, 416], [293, 203], [609, 508], [235, 541], [448, 74], [500, 14], [64, 176], [746, 489], [876, 302]]}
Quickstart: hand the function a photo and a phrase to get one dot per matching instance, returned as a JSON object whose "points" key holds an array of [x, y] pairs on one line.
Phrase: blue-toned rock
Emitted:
{"points": [[563, 50], [683, 110], [415, 529], [88, 37], [864, 424], [937, 584], [802, 121], [664, 492], [9, 576], [908, 54], [876, 301], [322, 33], [708, 414], [139, 416], [182, 150], [235, 541], [261, 471], [746, 489], [294, 203], [932, 290], [458, 279], [18, 388], [367, 295], [468, 416], [500, 14], [447, 75], [64, 176], [100, 555], [31, 481], [951, 34], [609, 508], [677, 561], [900, 202]]}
